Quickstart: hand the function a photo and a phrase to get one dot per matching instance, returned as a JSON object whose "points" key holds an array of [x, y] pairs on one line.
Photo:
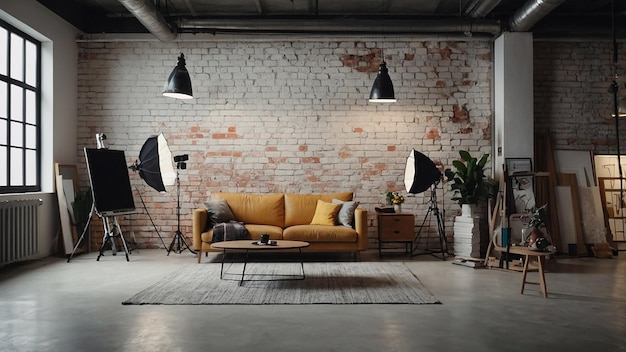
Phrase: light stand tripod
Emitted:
{"points": [[179, 239], [150, 217], [434, 210]]}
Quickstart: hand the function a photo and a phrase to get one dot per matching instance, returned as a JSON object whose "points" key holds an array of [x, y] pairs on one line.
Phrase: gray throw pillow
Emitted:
{"points": [[346, 213], [219, 212]]}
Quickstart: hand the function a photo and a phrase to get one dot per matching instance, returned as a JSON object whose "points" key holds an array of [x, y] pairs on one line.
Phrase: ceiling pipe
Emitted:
{"points": [[530, 13], [151, 18], [363, 26], [481, 8]]}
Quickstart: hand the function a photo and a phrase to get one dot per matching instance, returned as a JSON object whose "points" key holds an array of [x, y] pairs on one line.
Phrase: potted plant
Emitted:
{"points": [[469, 182], [533, 234]]}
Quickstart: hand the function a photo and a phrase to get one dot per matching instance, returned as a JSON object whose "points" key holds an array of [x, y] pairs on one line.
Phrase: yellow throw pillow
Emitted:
{"points": [[325, 213]]}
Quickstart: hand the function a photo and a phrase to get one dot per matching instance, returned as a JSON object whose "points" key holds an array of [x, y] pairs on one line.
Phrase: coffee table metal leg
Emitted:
{"points": [[222, 268], [243, 273], [301, 262]]}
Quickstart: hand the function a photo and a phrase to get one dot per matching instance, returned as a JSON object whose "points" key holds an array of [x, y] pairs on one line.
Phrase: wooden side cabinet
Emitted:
{"points": [[396, 227]]}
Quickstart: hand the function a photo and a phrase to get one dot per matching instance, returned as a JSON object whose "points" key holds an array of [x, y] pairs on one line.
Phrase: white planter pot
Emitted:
{"points": [[467, 210], [397, 208]]}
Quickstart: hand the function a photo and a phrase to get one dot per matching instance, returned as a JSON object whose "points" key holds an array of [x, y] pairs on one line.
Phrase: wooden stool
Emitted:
{"points": [[527, 253]]}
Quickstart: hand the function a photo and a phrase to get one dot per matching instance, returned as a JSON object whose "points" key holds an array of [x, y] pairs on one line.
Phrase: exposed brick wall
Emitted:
{"points": [[286, 116], [571, 95]]}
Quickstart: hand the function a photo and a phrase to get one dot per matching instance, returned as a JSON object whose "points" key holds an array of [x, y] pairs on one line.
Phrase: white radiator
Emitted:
{"points": [[18, 230]]}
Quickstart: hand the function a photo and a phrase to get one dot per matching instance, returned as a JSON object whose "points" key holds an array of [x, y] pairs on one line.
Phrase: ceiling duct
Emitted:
{"points": [[345, 26], [151, 18], [531, 12], [481, 8]]}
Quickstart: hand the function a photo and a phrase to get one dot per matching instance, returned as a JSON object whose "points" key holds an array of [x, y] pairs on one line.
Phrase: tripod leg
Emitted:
{"points": [[150, 217], [119, 231], [106, 238]]}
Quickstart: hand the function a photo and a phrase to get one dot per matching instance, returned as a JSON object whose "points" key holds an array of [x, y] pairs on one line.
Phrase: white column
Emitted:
{"points": [[513, 97]]}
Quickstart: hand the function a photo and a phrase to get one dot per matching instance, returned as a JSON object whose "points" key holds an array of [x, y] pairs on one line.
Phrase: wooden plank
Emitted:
{"points": [[545, 162], [572, 181]]}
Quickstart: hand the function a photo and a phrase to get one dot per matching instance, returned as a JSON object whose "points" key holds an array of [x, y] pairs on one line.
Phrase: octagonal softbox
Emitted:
{"points": [[155, 163], [420, 173]]}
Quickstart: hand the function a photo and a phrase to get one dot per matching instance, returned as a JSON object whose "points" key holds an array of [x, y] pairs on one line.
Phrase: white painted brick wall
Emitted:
{"points": [[285, 116]]}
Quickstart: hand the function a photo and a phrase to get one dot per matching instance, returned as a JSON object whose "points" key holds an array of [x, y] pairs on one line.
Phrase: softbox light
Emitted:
{"points": [[420, 173], [155, 163]]}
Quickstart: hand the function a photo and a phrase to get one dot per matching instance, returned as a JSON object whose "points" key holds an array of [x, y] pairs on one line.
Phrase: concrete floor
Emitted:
{"points": [[52, 305]]}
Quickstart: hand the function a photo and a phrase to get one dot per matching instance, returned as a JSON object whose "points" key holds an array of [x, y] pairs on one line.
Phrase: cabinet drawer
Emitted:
{"points": [[396, 227]]}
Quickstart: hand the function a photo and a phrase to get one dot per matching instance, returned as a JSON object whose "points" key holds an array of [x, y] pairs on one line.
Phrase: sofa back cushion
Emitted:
{"points": [[260, 209], [300, 208]]}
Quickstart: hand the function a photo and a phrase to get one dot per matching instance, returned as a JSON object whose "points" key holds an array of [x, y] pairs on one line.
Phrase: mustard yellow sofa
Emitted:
{"points": [[288, 217]]}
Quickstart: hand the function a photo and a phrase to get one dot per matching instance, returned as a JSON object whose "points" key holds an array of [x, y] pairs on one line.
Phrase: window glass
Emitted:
{"points": [[31, 137], [17, 57], [31, 64], [31, 107], [17, 167], [17, 103], [3, 161], [4, 133], [17, 134], [4, 34], [31, 167], [3, 100]]}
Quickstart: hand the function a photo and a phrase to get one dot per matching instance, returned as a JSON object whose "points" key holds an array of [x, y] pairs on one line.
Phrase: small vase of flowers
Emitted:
{"points": [[396, 199]]}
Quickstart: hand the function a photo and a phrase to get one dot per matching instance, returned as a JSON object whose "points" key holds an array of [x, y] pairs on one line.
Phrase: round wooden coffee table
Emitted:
{"points": [[249, 245]]}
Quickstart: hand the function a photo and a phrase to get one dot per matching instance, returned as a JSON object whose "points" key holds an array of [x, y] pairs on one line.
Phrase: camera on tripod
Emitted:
{"points": [[180, 161]]}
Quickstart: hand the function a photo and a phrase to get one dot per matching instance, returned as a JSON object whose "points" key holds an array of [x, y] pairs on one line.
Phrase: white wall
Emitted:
{"points": [[58, 109]]}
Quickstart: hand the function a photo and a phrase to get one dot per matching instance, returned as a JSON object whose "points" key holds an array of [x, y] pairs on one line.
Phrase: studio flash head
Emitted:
{"points": [[180, 158]]}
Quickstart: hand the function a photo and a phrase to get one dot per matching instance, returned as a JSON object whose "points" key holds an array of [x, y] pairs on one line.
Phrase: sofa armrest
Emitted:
{"points": [[200, 218], [360, 225]]}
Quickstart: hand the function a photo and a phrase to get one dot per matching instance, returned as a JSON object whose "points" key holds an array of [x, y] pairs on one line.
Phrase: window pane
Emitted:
{"points": [[31, 168], [3, 51], [17, 101], [31, 107], [17, 136], [31, 137], [3, 171], [4, 99], [31, 63], [17, 57], [4, 132], [17, 167]]}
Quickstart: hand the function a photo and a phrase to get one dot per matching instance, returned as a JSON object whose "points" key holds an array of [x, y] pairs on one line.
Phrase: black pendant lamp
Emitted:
{"points": [[382, 90], [178, 84]]}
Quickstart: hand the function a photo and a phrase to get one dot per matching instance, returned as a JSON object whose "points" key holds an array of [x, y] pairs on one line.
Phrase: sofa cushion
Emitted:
{"points": [[219, 212], [345, 216], [325, 213], [275, 232], [320, 233], [262, 209], [300, 208]]}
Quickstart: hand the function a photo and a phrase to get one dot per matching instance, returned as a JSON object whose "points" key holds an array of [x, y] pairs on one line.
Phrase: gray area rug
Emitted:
{"points": [[325, 283]]}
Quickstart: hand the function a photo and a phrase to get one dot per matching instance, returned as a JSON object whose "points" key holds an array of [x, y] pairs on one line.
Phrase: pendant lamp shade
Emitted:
{"points": [[382, 90], [155, 163], [420, 173], [178, 84]]}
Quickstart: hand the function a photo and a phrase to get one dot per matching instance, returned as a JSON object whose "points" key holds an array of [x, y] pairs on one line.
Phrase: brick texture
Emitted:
{"points": [[571, 95], [285, 116]]}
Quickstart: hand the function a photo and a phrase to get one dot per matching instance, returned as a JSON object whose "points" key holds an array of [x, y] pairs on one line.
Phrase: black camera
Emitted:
{"points": [[179, 158]]}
